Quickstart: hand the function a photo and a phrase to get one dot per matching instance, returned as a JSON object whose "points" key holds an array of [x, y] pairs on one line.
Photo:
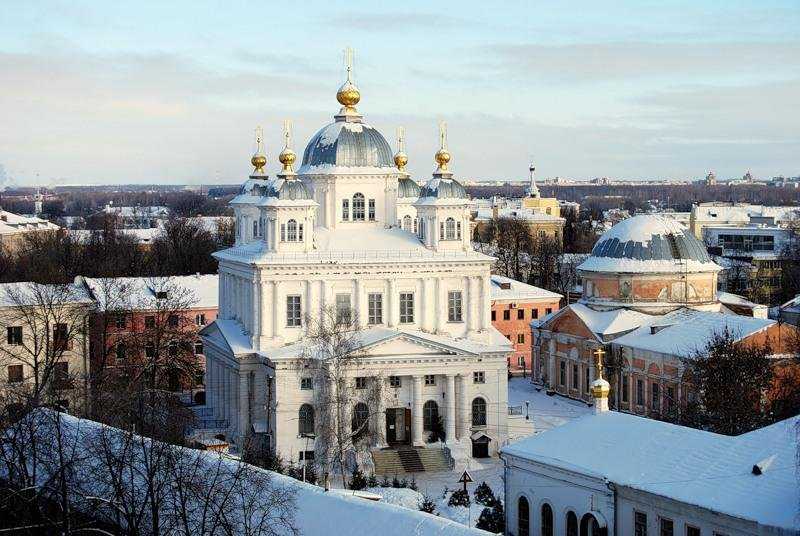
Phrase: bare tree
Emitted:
{"points": [[346, 400]]}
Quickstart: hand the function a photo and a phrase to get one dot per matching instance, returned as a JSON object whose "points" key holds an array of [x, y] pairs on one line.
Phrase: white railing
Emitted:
{"points": [[351, 256]]}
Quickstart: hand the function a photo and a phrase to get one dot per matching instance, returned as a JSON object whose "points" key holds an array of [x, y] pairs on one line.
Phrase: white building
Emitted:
{"points": [[736, 214], [616, 473], [328, 236]]}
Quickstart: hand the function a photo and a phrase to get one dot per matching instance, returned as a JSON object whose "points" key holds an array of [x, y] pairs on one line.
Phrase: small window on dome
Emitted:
{"points": [[450, 229], [407, 223], [358, 207], [291, 231]]}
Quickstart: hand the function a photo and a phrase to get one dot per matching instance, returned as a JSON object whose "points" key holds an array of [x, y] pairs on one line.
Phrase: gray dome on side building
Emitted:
{"points": [[291, 189], [348, 144], [443, 188], [407, 187]]}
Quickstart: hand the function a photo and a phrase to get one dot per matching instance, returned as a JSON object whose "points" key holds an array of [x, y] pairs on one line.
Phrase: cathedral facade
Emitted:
{"points": [[351, 232]]}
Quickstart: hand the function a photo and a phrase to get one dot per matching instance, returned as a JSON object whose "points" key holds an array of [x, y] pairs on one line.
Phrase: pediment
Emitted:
{"points": [[403, 344]]}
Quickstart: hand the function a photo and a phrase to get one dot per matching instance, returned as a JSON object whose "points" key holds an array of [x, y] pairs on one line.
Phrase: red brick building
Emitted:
{"points": [[514, 306]]}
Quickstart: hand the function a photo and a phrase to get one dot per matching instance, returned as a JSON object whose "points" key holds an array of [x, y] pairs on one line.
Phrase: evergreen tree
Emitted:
{"points": [[427, 505], [437, 431], [358, 481], [492, 519], [395, 482], [484, 495], [372, 482], [459, 497], [385, 482], [413, 483]]}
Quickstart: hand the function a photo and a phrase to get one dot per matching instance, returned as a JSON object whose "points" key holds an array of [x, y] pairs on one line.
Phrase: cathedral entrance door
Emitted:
{"points": [[391, 427]]}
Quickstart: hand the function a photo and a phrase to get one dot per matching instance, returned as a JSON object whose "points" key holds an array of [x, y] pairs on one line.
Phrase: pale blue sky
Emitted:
{"points": [[100, 92]]}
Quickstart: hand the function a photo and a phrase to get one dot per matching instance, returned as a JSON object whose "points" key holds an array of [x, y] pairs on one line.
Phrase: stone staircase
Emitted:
{"points": [[409, 460]]}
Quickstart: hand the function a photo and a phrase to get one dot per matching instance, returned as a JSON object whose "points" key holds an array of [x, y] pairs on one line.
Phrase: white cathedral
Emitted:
{"points": [[351, 230]]}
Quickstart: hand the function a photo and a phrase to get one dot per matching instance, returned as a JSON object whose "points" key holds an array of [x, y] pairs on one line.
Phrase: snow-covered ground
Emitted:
{"points": [[546, 411]]}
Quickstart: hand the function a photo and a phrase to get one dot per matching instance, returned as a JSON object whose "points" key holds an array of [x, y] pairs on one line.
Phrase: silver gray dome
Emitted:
{"points": [[291, 189], [407, 187], [650, 237], [442, 188], [348, 144]]}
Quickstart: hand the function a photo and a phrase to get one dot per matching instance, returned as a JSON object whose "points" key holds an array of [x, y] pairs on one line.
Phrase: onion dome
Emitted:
{"points": [[442, 156], [348, 95], [648, 243], [443, 188], [400, 157], [259, 160], [287, 157], [283, 188], [407, 188], [599, 388], [348, 144]]}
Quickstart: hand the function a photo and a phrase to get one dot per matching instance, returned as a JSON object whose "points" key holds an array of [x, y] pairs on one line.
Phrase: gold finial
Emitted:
{"points": [[400, 157], [442, 155], [600, 387], [259, 160], [348, 95], [287, 156]]}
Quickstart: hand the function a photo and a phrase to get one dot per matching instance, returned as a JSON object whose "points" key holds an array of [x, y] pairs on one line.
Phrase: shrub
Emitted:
{"points": [[427, 505], [459, 498], [484, 495], [395, 482], [492, 519], [385, 482], [358, 481], [372, 482]]}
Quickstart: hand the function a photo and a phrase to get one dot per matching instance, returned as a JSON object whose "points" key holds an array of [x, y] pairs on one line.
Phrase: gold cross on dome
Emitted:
{"points": [[598, 360], [401, 138], [287, 132], [443, 134], [348, 62]]}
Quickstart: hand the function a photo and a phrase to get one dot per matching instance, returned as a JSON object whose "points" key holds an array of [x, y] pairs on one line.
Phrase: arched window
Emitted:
{"points": [[549, 210], [291, 231], [479, 412], [572, 524], [450, 229], [523, 517], [407, 223], [430, 415], [359, 421], [547, 520], [306, 419], [358, 207], [590, 526]]}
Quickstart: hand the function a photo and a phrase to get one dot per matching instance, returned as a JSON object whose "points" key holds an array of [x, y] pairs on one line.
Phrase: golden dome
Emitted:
{"points": [[348, 95], [442, 158], [400, 160], [287, 158], [600, 388], [258, 161]]}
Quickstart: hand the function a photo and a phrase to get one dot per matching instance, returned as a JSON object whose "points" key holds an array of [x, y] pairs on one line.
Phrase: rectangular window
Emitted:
{"points": [[548, 310], [361, 382], [655, 397], [198, 348], [345, 209], [575, 377], [454, 309], [670, 398], [562, 373], [15, 373], [293, 311], [343, 310], [306, 455], [534, 313], [172, 320], [14, 335], [430, 379], [666, 527], [640, 392], [520, 314], [121, 351], [586, 380], [625, 387], [306, 384], [62, 375], [406, 307], [394, 381], [494, 316], [149, 322], [61, 337], [200, 319], [375, 306], [506, 315], [520, 338], [371, 207], [692, 531], [149, 349], [639, 524], [283, 232], [479, 376], [119, 321]]}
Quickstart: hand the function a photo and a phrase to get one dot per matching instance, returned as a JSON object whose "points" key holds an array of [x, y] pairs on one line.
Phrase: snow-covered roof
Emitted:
{"points": [[695, 467], [526, 214], [347, 244], [742, 212], [686, 332], [519, 291], [317, 513], [130, 212], [27, 293], [140, 292], [603, 324], [11, 223], [142, 236], [375, 335], [347, 144], [648, 244]]}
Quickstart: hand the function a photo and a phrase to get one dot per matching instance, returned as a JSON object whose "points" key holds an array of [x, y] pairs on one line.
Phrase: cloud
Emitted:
{"points": [[402, 20]]}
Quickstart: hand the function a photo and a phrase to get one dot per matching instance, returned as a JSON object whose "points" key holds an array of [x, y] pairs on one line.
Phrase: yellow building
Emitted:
{"points": [[534, 201]]}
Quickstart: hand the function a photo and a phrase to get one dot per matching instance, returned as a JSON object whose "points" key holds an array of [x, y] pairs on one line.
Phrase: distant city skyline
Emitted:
{"points": [[171, 93]]}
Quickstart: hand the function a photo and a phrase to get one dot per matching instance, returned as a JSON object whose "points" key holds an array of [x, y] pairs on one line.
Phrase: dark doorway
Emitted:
{"points": [[407, 423], [480, 447], [391, 427]]}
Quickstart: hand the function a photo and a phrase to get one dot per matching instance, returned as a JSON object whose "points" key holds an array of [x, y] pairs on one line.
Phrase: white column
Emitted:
{"points": [[473, 304], [450, 410], [264, 306], [275, 309], [416, 413], [358, 301], [255, 304], [463, 409], [438, 324], [485, 303]]}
